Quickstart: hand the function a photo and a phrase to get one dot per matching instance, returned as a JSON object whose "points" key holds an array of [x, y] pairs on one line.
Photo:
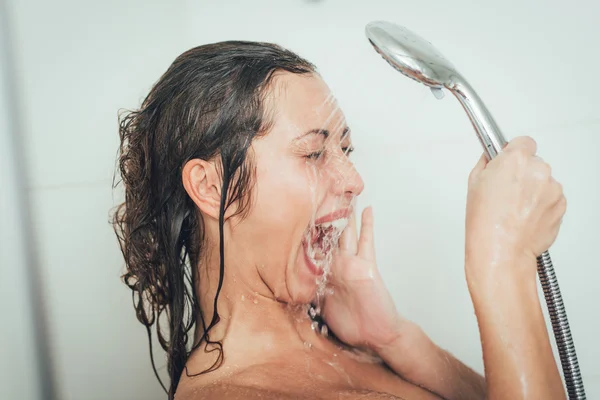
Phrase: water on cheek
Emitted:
{"points": [[322, 252], [323, 175]]}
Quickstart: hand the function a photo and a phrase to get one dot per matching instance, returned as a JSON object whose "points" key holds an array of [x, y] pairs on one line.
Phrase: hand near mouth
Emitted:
{"points": [[360, 311]]}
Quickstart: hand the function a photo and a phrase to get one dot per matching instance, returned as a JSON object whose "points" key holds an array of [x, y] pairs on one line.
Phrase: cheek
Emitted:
{"points": [[274, 228], [280, 212], [288, 194]]}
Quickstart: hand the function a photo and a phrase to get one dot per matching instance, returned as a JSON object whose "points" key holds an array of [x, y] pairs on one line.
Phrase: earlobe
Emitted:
{"points": [[201, 182]]}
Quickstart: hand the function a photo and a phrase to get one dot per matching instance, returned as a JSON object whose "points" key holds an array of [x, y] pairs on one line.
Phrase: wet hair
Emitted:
{"points": [[208, 105]]}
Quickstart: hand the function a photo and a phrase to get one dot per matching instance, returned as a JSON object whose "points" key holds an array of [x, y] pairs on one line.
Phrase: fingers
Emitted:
{"points": [[561, 207], [557, 214], [540, 169], [522, 143], [522, 147], [557, 199], [348, 239], [557, 189], [366, 244]]}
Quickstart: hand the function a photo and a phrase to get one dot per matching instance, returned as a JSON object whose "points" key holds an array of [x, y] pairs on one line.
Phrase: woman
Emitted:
{"points": [[238, 215]]}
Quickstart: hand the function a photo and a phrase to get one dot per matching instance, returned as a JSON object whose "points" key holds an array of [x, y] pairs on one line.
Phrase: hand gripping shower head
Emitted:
{"points": [[418, 59]]}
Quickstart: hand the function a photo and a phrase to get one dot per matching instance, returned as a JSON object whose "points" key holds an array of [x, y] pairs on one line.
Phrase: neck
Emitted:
{"points": [[253, 326]]}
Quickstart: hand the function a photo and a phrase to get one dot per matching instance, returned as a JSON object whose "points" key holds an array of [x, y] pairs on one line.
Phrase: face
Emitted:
{"points": [[303, 190]]}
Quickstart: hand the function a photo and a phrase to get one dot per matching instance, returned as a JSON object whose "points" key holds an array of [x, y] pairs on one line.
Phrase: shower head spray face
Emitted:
{"points": [[411, 54], [418, 59]]}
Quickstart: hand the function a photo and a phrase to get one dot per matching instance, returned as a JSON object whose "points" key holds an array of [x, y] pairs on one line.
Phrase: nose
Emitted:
{"points": [[346, 179]]}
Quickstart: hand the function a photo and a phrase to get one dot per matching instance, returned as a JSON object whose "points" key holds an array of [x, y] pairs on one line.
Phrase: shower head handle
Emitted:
{"points": [[489, 134]]}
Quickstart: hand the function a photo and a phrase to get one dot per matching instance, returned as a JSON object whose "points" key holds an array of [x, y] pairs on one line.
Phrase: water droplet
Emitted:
{"points": [[307, 345], [437, 92], [255, 301], [243, 298]]}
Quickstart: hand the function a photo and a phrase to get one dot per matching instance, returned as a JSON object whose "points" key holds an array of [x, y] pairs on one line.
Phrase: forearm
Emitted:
{"points": [[417, 359], [518, 358]]}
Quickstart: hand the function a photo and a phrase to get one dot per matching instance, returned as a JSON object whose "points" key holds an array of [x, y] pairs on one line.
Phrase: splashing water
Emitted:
{"points": [[323, 239], [331, 171]]}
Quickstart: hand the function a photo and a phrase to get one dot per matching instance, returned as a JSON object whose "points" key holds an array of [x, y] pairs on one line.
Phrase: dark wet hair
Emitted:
{"points": [[209, 104]]}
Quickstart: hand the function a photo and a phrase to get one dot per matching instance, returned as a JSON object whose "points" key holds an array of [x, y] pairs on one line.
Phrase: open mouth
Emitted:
{"points": [[320, 242]]}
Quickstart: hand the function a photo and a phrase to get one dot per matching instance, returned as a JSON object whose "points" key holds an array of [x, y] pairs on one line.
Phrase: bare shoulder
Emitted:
{"points": [[232, 391], [263, 382]]}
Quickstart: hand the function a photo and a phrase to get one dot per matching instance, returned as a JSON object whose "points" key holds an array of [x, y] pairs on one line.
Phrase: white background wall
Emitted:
{"points": [[17, 343], [534, 63]]}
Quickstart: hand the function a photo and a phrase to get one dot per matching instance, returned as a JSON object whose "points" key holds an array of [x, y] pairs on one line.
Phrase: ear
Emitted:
{"points": [[203, 184]]}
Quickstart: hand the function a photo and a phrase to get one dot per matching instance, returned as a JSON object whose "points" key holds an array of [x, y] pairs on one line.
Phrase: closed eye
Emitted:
{"points": [[315, 155]]}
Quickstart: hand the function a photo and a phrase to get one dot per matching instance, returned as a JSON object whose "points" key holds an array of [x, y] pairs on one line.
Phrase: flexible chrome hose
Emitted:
{"points": [[560, 326]]}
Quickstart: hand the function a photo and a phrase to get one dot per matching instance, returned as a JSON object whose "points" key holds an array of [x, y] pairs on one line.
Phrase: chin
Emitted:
{"points": [[302, 288]]}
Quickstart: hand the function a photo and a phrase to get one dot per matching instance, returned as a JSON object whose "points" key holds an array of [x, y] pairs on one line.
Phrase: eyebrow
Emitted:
{"points": [[324, 132]]}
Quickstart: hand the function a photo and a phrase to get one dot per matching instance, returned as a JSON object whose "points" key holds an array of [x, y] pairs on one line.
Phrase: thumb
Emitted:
{"points": [[479, 167]]}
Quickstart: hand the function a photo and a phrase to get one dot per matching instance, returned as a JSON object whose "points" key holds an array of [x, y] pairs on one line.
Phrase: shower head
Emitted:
{"points": [[410, 54], [418, 59]]}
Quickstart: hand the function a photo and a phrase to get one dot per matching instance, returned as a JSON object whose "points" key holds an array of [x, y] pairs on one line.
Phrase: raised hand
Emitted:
{"points": [[360, 311]]}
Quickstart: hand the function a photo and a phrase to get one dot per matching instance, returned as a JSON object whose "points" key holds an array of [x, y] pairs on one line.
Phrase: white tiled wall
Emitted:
{"points": [[592, 387], [534, 63], [79, 62], [17, 339], [100, 348]]}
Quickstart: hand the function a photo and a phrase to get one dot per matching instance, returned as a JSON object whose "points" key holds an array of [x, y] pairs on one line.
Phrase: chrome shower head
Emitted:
{"points": [[418, 59], [410, 54]]}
